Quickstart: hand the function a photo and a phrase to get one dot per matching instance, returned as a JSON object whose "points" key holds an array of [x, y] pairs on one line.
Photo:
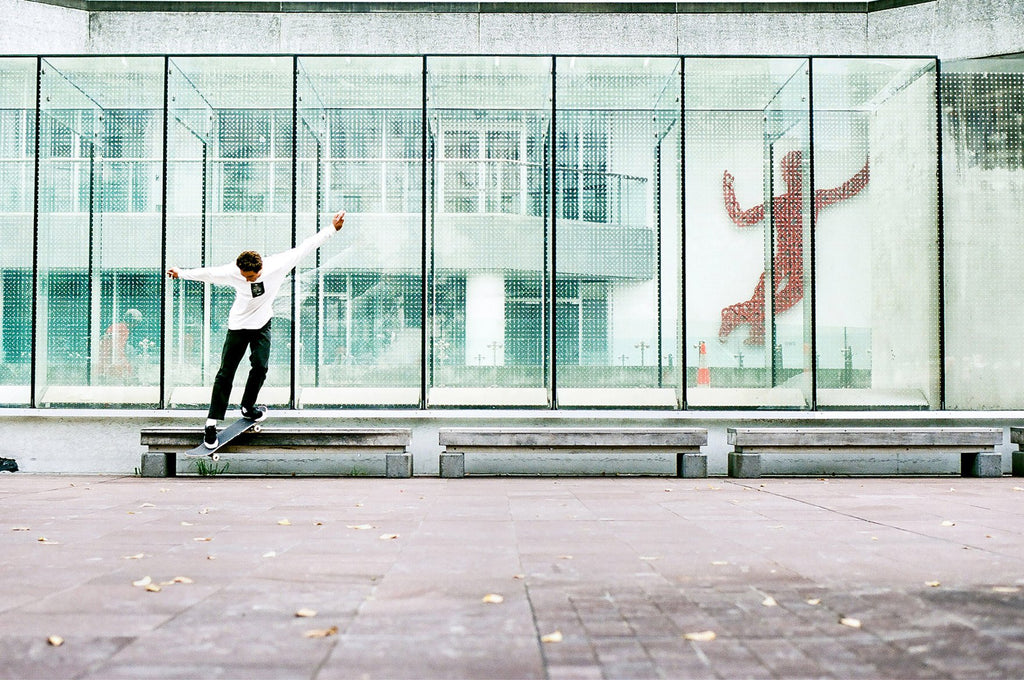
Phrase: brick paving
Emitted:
{"points": [[597, 578]]}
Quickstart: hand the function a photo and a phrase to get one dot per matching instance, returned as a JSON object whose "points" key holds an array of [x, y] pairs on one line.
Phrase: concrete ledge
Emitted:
{"points": [[165, 443], [683, 443], [976, 446]]}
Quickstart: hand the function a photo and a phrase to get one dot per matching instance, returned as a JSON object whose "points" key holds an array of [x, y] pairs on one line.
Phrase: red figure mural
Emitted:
{"points": [[788, 258]]}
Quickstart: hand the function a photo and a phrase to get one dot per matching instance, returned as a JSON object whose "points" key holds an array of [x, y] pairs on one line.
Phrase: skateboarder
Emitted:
{"points": [[256, 282]]}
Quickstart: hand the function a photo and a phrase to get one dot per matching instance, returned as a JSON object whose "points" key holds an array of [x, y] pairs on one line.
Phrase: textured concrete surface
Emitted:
{"points": [[511, 578]]}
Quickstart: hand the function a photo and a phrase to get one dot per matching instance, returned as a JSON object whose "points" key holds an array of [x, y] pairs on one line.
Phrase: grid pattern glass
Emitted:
{"points": [[101, 139], [617, 253], [746, 130], [875, 179], [17, 180], [489, 124], [983, 219], [229, 157], [362, 307]]}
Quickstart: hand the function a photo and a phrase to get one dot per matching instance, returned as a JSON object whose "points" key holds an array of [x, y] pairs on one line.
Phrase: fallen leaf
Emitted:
{"points": [[321, 632], [388, 537], [284, 522], [932, 584], [182, 579], [44, 539], [134, 557], [814, 601], [20, 529], [649, 558], [144, 581], [153, 588], [318, 524], [493, 598], [518, 576], [947, 523], [552, 637], [204, 511], [769, 601], [202, 539], [147, 505], [55, 640], [1005, 589], [851, 622], [701, 636], [305, 613], [719, 563], [359, 527], [1018, 488], [565, 557], [187, 524], [270, 554]]}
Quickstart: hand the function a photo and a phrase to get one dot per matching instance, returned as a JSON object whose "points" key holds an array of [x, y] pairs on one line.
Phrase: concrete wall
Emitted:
{"points": [[951, 29]]}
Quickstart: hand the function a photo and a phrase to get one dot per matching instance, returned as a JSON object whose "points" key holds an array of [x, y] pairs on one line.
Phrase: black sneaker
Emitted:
{"points": [[210, 438], [256, 413], [8, 465]]}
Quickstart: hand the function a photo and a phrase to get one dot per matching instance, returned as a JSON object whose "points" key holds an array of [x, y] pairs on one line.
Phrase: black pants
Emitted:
{"points": [[235, 344]]}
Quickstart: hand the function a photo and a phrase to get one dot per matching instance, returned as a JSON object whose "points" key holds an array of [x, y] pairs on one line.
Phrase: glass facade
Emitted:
{"points": [[548, 232]]}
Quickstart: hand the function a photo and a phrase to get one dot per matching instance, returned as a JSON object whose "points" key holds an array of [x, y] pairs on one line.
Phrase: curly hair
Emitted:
{"points": [[249, 261]]}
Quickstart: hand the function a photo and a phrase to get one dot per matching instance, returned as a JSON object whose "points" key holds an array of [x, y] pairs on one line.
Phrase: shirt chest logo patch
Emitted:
{"points": [[257, 289]]}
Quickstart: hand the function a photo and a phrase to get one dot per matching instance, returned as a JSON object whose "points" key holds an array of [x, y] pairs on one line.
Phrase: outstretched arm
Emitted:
{"points": [[851, 187], [742, 218]]}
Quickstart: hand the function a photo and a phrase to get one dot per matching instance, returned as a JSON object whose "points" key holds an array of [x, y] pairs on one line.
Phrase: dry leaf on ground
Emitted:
{"points": [[552, 637], [388, 537], [493, 598], [851, 622], [305, 613], [142, 582], [769, 601], [284, 522], [321, 632], [701, 636], [55, 640]]}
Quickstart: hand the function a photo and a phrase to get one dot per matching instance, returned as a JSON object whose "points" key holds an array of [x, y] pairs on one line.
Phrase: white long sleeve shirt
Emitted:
{"points": [[253, 305]]}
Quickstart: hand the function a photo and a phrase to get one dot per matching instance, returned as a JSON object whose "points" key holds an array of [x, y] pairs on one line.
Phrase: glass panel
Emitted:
{"points": [[361, 333], [876, 254], [983, 219], [229, 158], [617, 252], [101, 140], [489, 123], [747, 151], [17, 178]]}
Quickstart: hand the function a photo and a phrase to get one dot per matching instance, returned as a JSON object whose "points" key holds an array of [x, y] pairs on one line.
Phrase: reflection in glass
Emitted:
{"points": [[360, 144], [97, 320], [877, 260], [229, 189], [748, 226], [17, 179], [617, 252], [489, 125]]}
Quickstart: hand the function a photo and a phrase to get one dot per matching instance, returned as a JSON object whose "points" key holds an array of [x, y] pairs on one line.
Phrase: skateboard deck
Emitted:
{"points": [[224, 437]]}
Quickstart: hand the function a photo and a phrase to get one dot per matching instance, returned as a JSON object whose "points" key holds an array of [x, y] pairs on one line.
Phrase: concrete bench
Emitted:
{"points": [[976, 446], [165, 443], [1017, 437], [684, 443]]}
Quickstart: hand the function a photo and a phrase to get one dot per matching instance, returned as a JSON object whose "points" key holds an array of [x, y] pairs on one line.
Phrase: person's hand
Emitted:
{"points": [[173, 272], [339, 220]]}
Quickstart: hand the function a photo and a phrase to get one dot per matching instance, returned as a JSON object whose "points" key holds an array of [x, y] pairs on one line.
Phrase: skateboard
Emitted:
{"points": [[225, 437]]}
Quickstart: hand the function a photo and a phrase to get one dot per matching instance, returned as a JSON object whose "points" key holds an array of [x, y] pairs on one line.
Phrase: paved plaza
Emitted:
{"points": [[218, 577]]}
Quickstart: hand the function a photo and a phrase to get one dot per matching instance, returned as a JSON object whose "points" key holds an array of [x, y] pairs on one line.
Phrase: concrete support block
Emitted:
{"points": [[691, 465], [452, 464], [981, 465], [744, 464], [1018, 464], [398, 465], [158, 464]]}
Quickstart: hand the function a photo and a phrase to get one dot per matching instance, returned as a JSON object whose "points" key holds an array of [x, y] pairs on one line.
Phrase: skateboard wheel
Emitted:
{"points": [[215, 456], [257, 428]]}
